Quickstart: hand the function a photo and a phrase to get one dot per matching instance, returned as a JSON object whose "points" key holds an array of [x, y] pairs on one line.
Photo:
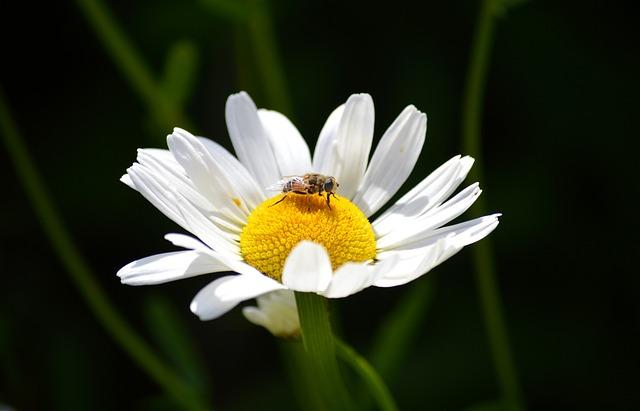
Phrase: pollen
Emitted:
{"points": [[273, 230]]}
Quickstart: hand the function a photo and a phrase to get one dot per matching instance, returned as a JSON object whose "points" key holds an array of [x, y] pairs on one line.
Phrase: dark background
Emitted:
{"points": [[560, 145]]}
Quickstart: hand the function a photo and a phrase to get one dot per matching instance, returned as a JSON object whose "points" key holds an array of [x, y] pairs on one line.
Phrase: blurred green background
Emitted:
{"points": [[560, 137]]}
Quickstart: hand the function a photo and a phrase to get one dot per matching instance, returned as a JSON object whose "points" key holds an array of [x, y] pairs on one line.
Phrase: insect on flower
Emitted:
{"points": [[310, 183], [349, 252]]}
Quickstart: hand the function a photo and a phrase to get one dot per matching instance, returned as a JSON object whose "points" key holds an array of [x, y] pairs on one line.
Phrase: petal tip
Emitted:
{"points": [[194, 308], [467, 159], [239, 97], [359, 98], [126, 179]]}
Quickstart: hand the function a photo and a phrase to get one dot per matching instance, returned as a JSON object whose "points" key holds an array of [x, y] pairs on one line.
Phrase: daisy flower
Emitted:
{"points": [[300, 243]]}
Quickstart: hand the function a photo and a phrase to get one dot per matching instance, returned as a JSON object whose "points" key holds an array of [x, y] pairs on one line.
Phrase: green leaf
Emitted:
{"points": [[180, 71]]}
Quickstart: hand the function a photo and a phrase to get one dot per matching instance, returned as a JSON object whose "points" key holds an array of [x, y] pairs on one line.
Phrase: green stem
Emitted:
{"points": [[267, 57], [131, 64], [371, 378], [301, 375], [482, 253], [80, 272], [321, 351], [253, 18]]}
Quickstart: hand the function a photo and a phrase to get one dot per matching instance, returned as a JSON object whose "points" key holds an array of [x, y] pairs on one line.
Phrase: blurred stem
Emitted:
{"points": [[176, 344], [245, 80], [320, 347], [80, 272], [301, 376], [267, 57], [482, 252], [372, 379], [393, 339], [395, 335], [131, 64], [232, 10], [254, 18]]}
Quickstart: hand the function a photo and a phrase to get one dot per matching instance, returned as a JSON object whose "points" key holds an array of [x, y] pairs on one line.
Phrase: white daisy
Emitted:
{"points": [[300, 244]]}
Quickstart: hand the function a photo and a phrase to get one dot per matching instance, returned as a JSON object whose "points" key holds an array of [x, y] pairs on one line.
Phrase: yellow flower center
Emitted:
{"points": [[274, 229]]}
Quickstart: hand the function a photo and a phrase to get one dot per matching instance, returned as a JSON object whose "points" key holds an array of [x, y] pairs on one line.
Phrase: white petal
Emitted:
{"points": [[349, 279], [162, 268], [249, 139], [416, 259], [410, 264], [307, 268], [225, 293], [255, 316], [127, 180], [393, 160], [289, 148], [243, 181], [348, 155], [412, 229], [460, 234], [224, 242], [163, 157], [156, 191], [162, 163], [170, 202], [211, 179], [185, 241], [163, 166], [429, 193], [233, 261], [325, 146], [277, 312]]}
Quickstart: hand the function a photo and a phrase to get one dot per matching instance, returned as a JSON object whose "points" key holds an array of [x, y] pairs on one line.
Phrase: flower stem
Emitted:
{"points": [[301, 376], [131, 64], [482, 252], [80, 272], [371, 378], [321, 351]]}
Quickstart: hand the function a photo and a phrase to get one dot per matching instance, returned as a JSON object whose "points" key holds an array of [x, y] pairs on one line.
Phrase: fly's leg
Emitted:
{"points": [[328, 197], [279, 201]]}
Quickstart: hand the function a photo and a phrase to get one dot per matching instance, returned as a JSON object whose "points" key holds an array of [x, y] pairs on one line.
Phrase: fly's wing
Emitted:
{"points": [[277, 186], [289, 183]]}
